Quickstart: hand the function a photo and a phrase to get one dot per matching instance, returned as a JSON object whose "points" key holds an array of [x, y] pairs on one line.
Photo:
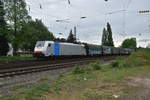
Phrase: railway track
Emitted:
{"points": [[33, 69], [18, 64], [16, 70]]}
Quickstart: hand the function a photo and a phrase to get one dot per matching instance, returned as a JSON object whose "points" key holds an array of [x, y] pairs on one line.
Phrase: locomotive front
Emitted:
{"points": [[39, 49]]}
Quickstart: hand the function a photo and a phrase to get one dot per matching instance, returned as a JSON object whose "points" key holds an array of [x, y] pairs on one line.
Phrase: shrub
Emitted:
{"points": [[119, 62], [115, 64], [139, 58], [78, 70], [96, 65]]}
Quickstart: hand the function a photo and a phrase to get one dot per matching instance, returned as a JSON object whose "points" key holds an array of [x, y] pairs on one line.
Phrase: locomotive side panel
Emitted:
{"points": [[68, 49], [115, 51]]}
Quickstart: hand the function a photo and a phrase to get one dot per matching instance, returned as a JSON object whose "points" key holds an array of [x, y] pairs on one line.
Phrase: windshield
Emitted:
{"points": [[40, 44]]}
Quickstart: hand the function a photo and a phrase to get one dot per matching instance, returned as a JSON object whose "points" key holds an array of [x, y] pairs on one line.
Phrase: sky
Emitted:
{"points": [[123, 16]]}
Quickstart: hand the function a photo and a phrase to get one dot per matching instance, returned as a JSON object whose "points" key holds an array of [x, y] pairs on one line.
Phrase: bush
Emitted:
{"points": [[139, 58], [115, 64], [96, 65], [119, 62], [78, 70]]}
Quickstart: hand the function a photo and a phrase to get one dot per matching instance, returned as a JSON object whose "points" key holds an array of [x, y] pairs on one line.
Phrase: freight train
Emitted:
{"points": [[58, 49]]}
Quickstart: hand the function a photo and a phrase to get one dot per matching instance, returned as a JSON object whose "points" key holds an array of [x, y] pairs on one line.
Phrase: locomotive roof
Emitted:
{"points": [[62, 43]]}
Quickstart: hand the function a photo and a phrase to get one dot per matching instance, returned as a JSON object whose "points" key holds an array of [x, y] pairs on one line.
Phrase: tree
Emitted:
{"points": [[2, 13], [71, 38], [32, 32], [107, 39], [16, 15], [2, 19], [129, 43], [4, 48], [60, 40], [104, 37], [110, 39]]}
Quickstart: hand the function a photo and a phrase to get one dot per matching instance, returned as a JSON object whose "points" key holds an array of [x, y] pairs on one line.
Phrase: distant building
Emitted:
{"points": [[148, 46]]}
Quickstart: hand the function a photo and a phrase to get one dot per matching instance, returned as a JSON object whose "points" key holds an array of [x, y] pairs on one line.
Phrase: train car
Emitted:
{"points": [[121, 51], [57, 49], [94, 49], [131, 51], [50, 48], [127, 51], [115, 51], [107, 50]]}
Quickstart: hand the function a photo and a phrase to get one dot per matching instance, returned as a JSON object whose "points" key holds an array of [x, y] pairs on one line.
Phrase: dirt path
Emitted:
{"points": [[139, 89]]}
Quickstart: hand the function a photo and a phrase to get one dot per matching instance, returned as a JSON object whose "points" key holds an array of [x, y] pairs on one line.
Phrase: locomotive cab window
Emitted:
{"points": [[49, 45], [40, 44]]}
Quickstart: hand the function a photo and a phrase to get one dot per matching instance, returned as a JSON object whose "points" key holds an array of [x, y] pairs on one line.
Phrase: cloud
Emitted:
{"points": [[96, 11]]}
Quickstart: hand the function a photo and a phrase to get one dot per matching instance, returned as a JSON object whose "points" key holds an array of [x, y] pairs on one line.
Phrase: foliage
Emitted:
{"points": [[4, 48], [38, 91], [118, 63], [16, 15], [95, 66], [107, 39], [139, 58], [22, 31], [60, 40], [78, 70], [129, 43], [15, 58], [110, 39], [37, 31], [2, 20], [71, 38], [104, 37], [94, 85], [92, 66]]}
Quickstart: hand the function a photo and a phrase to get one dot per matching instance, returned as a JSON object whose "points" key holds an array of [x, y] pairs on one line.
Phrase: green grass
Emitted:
{"points": [[84, 83], [139, 58], [15, 58], [78, 70], [91, 83]]}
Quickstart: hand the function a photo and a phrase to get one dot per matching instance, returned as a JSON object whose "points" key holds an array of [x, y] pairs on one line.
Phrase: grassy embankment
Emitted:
{"points": [[15, 58], [93, 82]]}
